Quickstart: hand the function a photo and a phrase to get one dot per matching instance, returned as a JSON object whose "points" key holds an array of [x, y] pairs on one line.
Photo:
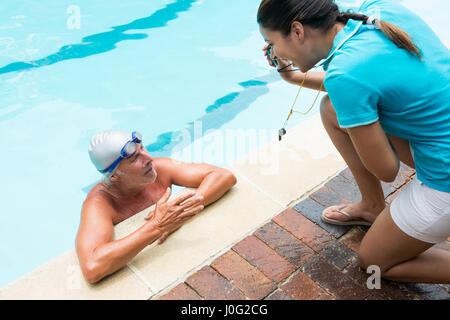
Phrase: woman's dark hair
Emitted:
{"points": [[278, 15]]}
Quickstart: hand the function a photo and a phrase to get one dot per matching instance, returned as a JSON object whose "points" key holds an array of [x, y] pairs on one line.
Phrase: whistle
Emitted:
{"points": [[281, 133]]}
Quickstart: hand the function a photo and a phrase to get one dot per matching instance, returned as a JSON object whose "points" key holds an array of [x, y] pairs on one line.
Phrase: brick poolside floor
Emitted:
{"points": [[296, 256]]}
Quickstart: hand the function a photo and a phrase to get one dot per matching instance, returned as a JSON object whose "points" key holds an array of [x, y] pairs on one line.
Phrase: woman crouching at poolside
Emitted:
{"points": [[388, 101]]}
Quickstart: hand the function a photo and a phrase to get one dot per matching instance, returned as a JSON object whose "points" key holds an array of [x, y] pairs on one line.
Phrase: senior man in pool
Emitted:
{"points": [[134, 181]]}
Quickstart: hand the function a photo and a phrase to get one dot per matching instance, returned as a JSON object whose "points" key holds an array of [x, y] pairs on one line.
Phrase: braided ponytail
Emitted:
{"points": [[394, 33]]}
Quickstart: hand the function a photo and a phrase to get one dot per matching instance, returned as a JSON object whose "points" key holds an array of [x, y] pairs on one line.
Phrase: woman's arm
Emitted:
{"points": [[313, 79], [375, 151]]}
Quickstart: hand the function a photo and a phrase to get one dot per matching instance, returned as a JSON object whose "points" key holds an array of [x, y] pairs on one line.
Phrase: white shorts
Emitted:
{"points": [[422, 212]]}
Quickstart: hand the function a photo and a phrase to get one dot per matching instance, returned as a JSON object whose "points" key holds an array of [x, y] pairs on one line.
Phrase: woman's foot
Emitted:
{"points": [[360, 213]]}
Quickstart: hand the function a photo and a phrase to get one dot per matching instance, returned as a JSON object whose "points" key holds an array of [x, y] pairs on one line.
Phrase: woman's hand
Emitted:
{"points": [[289, 76]]}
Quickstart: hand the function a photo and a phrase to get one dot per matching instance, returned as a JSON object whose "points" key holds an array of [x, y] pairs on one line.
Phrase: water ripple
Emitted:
{"points": [[105, 41]]}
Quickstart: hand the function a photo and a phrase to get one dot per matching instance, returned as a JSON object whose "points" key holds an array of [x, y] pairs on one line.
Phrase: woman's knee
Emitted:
{"points": [[366, 259]]}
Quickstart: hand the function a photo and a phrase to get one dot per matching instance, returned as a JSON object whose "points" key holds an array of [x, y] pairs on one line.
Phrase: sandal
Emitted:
{"points": [[355, 222]]}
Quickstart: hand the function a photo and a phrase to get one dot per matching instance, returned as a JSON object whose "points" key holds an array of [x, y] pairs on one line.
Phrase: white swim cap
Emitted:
{"points": [[105, 147]]}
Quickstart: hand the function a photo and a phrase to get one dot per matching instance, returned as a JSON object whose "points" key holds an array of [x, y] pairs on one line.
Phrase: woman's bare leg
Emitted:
{"points": [[372, 195], [401, 257]]}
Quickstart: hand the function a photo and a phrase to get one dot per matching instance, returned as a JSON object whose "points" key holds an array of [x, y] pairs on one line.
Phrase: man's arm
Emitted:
{"points": [[211, 182], [375, 151], [99, 256]]}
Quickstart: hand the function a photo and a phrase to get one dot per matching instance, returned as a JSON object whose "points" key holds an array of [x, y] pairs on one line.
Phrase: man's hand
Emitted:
{"points": [[170, 216]]}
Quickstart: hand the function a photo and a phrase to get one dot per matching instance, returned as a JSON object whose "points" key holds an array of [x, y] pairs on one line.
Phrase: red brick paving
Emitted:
{"points": [[243, 275], [293, 257], [284, 243], [428, 291], [353, 238], [301, 287], [390, 290], [333, 279], [258, 254], [278, 294], [181, 292], [309, 233], [338, 254], [313, 211], [328, 197], [342, 186], [213, 286]]}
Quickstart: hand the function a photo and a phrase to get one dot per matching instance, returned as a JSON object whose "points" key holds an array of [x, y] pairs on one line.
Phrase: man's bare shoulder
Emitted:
{"points": [[98, 201], [165, 168], [169, 169], [97, 194], [165, 162], [169, 165]]}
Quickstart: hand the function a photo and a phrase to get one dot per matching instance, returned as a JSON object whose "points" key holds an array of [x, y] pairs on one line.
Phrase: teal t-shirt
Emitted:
{"points": [[369, 78]]}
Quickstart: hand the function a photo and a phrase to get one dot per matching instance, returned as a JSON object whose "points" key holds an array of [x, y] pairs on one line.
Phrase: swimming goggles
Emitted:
{"points": [[127, 151]]}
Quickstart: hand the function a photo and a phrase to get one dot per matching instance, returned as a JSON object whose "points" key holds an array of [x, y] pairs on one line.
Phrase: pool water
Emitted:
{"points": [[189, 75]]}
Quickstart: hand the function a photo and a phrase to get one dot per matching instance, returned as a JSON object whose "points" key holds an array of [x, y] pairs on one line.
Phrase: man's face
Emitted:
{"points": [[139, 166]]}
